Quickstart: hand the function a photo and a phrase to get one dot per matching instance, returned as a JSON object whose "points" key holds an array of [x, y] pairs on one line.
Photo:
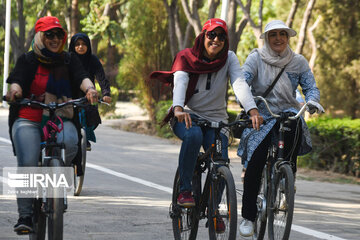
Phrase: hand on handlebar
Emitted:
{"points": [[107, 99], [92, 95], [314, 107], [15, 92], [256, 118], [182, 116]]}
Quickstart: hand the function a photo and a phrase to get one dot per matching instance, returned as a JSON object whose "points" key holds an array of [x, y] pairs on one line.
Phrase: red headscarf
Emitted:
{"points": [[191, 60]]}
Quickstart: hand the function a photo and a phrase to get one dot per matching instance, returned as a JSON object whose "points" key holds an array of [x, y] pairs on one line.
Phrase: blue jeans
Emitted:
{"points": [[26, 137], [192, 140]]}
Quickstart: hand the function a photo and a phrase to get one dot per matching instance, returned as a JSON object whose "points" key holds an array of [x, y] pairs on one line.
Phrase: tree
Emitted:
{"points": [[19, 42], [145, 50], [338, 59]]}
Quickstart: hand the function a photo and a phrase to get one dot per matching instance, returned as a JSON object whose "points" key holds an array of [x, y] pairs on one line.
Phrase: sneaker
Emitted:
{"points": [[88, 146], [23, 226], [185, 199], [219, 225], [246, 228]]}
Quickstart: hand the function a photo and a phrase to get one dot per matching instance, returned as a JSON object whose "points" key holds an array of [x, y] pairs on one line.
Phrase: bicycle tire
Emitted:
{"points": [[39, 222], [185, 221], [223, 203], [282, 201], [56, 209], [261, 215], [79, 180]]}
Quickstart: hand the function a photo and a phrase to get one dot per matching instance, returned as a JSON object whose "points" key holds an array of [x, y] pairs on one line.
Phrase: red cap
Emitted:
{"points": [[213, 23], [46, 23]]}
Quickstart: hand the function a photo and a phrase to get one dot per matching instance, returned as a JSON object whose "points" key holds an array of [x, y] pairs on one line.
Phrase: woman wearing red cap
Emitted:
{"points": [[48, 74], [200, 77]]}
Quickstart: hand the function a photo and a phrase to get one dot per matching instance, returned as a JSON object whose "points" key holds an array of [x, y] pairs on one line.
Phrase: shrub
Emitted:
{"points": [[336, 145], [162, 110]]}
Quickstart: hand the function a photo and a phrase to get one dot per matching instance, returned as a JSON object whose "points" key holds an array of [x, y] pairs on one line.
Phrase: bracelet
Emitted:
{"points": [[91, 87]]}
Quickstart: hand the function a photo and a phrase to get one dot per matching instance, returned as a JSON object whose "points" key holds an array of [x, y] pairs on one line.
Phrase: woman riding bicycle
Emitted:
{"points": [[80, 45], [200, 77], [262, 66], [47, 74]]}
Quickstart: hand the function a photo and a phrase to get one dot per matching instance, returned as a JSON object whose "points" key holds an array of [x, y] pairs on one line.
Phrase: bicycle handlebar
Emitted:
{"points": [[52, 105], [302, 110], [49, 106], [206, 123]]}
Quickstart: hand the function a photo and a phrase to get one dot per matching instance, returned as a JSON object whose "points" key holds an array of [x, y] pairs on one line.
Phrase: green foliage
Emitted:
{"points": [[336, 145], [99, 26], [146, 49], [103, 108], [162, 108], [338, 54]]}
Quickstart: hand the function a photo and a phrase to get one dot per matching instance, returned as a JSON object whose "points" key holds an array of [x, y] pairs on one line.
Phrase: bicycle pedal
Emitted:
{"points": [[24, 232]]}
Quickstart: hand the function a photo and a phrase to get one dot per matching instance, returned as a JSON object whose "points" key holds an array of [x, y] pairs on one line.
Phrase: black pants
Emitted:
{"points": [[256, 165]]}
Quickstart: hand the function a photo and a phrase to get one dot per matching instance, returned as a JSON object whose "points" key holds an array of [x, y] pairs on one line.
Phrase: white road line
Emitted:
{"points": [[5, 140], [303, 230], [133, 179]]}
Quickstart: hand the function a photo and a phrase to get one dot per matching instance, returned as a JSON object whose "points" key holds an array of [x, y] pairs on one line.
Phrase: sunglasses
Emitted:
{"points": [[212, 35], [51, 35]]}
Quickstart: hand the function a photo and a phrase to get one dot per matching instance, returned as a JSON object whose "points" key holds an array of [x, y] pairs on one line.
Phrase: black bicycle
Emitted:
{"points": [[275, 201], [217, 200], [47, 209]]}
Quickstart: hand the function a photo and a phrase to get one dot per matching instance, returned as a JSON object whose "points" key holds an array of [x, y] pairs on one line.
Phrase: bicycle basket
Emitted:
{"points": [[236, 130]]}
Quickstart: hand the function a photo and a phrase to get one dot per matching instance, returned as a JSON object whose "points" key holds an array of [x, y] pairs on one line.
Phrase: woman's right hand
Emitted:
{"points": [[182, 116], [256, 118], [14, 92]]}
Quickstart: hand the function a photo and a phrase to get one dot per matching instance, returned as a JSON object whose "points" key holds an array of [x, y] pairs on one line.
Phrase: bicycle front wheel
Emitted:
{"points": [[184, 220], [56, 209], [223, 206], [282, 204], [261, 216], [39, 222], [79, 180]]}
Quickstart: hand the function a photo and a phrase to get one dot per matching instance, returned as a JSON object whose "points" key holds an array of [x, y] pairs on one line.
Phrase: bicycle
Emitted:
{"points": [[275, 201], [79, 180], [216, 200], [50, 209]]}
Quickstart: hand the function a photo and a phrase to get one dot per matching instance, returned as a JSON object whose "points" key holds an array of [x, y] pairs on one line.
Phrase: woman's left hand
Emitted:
{"points": [[92, 95], [107, 99], [256, 118]]}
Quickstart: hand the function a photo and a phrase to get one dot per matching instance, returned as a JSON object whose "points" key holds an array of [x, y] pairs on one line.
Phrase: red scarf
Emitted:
{"points": [[191, 60]]}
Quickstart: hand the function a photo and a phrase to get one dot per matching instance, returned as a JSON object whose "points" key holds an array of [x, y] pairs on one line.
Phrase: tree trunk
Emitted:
{"points": [[192, 14], [75, 14], [257, 29], [292, 13], [213, 5], [306, 18], [313, 43], [172, 17]]}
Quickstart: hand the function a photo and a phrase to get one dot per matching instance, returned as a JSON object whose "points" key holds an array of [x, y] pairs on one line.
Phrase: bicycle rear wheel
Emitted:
{"points": [[79, 180], [282, 201], [56, 209], [223, 205], [261, 216], [39, 222], [184, 220]]}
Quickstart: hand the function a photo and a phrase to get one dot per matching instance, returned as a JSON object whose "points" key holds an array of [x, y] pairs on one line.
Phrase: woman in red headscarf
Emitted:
{"points": [[48, 74], [200, 76]]}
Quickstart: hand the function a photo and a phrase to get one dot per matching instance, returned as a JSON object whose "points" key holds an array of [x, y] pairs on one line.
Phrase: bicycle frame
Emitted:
{"points": [[210, 200], [276, 169]]}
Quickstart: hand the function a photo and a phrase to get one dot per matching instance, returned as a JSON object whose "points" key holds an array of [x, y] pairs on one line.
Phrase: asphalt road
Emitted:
{"points": [[127, 193]]}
